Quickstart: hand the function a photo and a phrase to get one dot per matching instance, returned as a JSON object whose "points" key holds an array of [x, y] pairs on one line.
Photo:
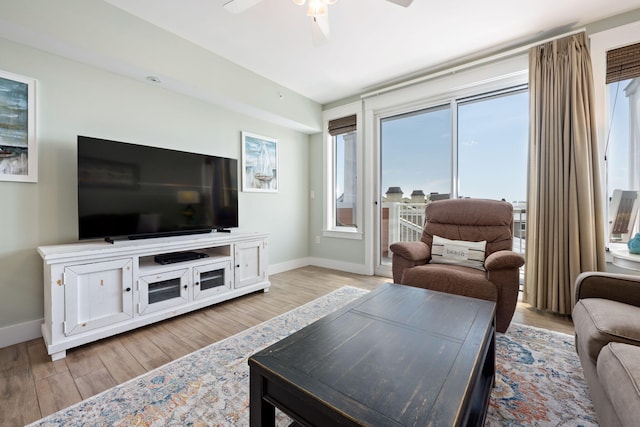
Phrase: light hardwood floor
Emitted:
{"points": [[32, 386]]}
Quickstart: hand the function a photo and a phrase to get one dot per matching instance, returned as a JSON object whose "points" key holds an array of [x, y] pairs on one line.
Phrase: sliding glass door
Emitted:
{"points": [[470, 147]]}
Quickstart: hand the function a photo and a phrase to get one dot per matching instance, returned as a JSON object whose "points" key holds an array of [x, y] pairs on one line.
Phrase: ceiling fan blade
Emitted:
{"points": [[320, 29], [237, 6], [403, 3]]}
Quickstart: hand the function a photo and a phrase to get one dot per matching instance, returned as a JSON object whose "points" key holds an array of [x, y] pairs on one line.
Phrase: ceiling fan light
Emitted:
{"points": [[331, 1], [317, 8], [299, 2]]}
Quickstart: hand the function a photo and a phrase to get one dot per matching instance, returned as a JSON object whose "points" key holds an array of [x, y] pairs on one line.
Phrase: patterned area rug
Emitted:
{"points": [[538, 381]]}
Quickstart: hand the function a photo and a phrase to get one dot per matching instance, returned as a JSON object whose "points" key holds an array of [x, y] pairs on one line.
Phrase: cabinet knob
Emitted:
{"points": [[237, 265], [128, 289], [197, 283], [185, 286]]}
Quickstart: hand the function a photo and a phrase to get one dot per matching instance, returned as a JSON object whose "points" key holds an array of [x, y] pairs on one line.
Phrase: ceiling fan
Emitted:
{"points": [[317, 11]]}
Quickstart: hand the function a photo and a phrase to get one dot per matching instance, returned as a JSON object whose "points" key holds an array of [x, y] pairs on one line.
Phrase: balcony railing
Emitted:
{"points": [[403, 222]]}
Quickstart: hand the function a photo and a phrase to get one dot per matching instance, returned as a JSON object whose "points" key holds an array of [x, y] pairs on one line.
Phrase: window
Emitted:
{"points": [[346, 190], [342, 184], [622, 143], [615, 57], [617, 142]]}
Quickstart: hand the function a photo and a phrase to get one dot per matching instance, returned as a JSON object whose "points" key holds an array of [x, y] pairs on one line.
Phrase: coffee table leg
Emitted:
{"points": [[261, 412]]}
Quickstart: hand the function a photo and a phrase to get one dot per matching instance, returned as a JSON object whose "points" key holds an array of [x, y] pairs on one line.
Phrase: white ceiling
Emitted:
{"points": [[372, 42]]}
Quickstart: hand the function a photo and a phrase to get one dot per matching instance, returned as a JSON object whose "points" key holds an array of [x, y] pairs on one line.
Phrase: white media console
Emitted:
{"points": [[98, 289]]}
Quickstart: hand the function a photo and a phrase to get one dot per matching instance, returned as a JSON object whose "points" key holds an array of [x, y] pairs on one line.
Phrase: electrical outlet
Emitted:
{"points": [[317, 239]]}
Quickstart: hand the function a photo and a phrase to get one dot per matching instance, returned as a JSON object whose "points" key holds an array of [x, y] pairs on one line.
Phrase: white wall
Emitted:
{"points": [[72, 99]]}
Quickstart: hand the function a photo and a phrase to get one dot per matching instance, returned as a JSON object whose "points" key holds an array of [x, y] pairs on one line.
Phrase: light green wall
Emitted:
{"points": [[72, 99], [614, 21]]}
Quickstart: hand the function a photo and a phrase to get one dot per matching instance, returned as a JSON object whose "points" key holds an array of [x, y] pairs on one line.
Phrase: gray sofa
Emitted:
{"points": [[607, 326]]}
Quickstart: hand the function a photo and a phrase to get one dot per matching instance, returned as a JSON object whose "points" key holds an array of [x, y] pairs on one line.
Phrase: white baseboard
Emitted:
{"points": [[289, 265], [318, 262], [339, 265], [14, 334]]}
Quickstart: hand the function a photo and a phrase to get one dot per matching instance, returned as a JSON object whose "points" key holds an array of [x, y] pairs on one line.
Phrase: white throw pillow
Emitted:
{"points": [[458, 252]]}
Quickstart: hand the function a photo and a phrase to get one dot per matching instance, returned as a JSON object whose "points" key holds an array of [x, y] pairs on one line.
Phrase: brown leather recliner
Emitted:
{"points": [[471, 220]]}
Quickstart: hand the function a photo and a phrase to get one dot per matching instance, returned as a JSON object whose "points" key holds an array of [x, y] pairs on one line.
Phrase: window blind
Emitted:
{"points": [[342, 125], [623, 63]]}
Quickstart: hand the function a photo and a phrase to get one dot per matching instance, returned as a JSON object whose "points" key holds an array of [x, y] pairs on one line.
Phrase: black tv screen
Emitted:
{"points": [[134, 191]]}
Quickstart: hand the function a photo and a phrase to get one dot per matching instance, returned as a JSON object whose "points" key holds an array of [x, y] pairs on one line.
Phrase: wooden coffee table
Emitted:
{"points": [[398, 356]]}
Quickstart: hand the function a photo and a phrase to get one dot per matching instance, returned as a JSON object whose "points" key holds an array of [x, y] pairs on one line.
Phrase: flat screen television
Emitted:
{"points": [[130, 191]]}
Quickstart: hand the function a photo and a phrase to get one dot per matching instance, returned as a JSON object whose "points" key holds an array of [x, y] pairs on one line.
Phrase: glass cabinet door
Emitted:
{"points": [[211, 279], [163, 290]]}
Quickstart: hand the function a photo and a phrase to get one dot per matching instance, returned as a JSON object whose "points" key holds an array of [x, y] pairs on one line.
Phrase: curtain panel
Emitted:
{"points": [[565, 224]]}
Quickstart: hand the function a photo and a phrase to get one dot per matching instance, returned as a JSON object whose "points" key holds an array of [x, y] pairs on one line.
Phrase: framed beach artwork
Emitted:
{"points": [[18, 152], [259, 163]]}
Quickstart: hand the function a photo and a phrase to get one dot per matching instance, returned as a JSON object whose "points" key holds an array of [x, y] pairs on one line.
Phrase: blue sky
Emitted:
{"points": [[617, 141], [416, 152], [492, 150]]}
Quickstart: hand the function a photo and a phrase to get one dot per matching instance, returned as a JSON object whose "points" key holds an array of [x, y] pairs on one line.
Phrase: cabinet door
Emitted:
{"points": [[163, 290], [211, 279], [97, 294], [250, 263]]}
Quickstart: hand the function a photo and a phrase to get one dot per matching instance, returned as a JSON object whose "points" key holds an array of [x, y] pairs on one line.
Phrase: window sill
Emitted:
{"points": [[347, 233]]}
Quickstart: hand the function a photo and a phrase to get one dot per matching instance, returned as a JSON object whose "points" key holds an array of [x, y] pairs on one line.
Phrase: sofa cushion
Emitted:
{"points": [[458, 252], [619, 374], [600, 321]]}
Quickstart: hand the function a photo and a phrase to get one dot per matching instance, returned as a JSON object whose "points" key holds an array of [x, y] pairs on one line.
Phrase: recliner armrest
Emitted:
{"points": [[411, 251], [504, 259], [623, 288]]}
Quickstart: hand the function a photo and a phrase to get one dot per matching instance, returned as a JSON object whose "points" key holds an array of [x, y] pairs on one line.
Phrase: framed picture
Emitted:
{"points": [[18, 151], [259, 163]]}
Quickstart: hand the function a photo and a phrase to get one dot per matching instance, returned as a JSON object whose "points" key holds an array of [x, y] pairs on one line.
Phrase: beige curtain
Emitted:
{"points": [[565, 233]]}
